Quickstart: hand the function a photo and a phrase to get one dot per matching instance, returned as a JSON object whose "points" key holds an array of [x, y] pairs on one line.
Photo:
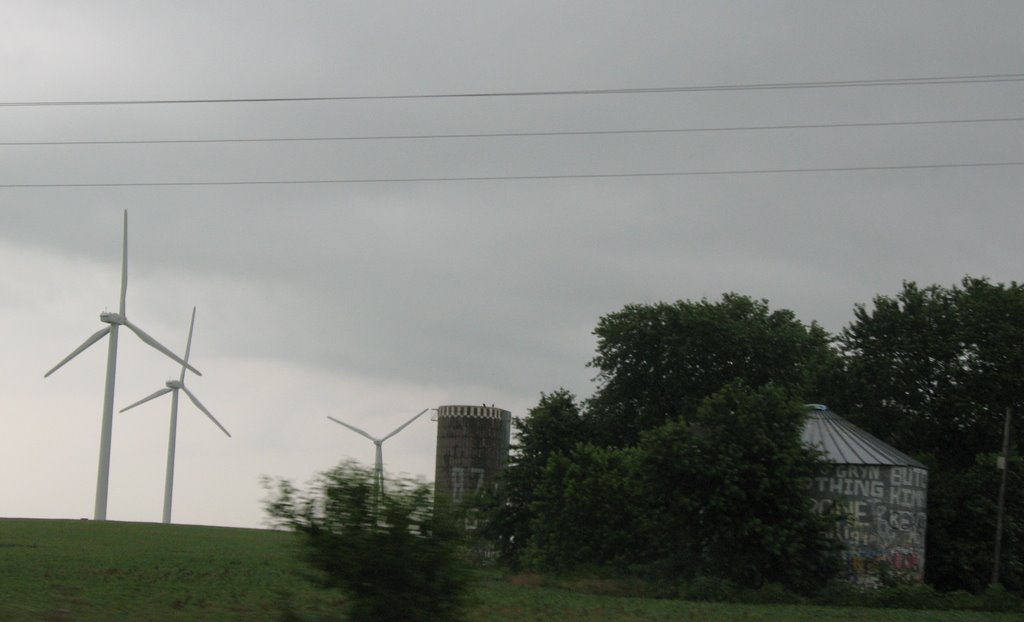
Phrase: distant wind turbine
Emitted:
{"points": [[173, 386], [378, 467], [114, 320]]}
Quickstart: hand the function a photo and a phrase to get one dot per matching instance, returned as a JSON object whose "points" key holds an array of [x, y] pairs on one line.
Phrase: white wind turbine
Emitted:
{"points": [[378, 467], [173, 386], [114, 320]]}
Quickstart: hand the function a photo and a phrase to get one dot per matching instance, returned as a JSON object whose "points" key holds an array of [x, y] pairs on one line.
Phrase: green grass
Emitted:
{"points": [[85, 570]]}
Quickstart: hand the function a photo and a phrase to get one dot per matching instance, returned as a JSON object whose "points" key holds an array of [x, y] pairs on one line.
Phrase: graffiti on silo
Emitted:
{"points": [[472, 449], [884, 510], [879, 492]]}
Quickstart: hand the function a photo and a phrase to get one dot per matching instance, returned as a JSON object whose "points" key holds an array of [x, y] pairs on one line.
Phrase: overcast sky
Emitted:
{"points": [[370, 301]]}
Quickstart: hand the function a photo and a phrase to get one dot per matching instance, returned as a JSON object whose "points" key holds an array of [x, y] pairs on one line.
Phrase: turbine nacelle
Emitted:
{"points": [[113, 318], [174, 384]]}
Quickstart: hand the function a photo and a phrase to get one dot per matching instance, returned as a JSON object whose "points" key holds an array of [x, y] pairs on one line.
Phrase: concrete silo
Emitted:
{"points": [[881, 491], [472, 449]]}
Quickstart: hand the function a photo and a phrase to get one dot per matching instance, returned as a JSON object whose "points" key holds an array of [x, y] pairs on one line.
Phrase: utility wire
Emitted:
{"points": [[741, 128], [963, 79], [380, 180]]}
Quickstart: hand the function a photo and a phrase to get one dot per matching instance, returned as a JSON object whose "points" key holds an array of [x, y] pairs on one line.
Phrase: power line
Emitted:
{"points": [[380, 180], [739, 128], [965, 79]]}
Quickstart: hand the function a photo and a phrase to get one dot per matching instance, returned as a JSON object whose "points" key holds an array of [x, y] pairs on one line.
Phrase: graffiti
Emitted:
{"points": [[458, 475], [907, 497], [866, 566], [848, 487], [883, 517], [904, 560], [901, 521], [908, 476], [458, 483]]}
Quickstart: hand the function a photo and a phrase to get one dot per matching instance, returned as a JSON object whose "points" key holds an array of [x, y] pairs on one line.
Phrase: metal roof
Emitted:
{"points": [[845, 443]]}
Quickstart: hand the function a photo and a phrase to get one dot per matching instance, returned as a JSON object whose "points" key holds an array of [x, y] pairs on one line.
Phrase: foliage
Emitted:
{"points": [[657, 362], [723, 495], [396, 558], [932, 371], [551, 428], [709, 589], [734, 484], [587, 510]]}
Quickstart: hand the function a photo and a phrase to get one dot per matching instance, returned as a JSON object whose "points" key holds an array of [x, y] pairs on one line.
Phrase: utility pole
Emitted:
{"points": [[1002, 464]]}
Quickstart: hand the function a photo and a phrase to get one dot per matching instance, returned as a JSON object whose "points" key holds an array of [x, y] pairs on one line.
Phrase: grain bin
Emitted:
{"points": [[881, 492], [472, 449]]}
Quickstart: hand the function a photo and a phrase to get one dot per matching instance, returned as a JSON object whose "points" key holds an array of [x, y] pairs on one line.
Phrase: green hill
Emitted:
{"points": [[85, 570]]}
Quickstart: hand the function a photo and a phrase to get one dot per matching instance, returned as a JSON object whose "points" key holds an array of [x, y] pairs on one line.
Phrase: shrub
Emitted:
{"points": [[395, 557], [996, 598], [840, 593], [772, 593], [709, 589], [916, 596]]}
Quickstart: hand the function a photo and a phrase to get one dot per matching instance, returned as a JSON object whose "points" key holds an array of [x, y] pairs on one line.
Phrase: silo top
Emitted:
{"points": [[845, 443], [481, 412]]}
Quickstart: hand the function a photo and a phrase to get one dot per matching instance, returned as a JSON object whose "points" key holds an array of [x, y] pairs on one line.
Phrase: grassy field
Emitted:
{"points": [[84, 570]]}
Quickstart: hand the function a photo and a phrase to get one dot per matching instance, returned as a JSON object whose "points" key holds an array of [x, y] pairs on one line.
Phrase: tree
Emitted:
{"points": [[735, 483], [587, 510], [658, 362], [551, 428], [932, 371], [395, 559], [723, 494]]}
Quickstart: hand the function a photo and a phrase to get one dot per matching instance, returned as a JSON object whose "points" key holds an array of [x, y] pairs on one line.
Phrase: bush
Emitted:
{"points": [[996, 598], [772, 593], [709, 589], [395, 558], [840, 593], [917, 596]]}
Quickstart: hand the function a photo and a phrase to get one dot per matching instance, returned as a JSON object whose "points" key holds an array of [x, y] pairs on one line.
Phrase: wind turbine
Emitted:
{"points": [[172, 387], [114, 320], [378, 467]]}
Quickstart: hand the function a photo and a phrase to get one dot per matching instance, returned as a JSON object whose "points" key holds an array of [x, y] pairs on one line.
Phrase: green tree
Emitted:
{"points": [[735, 479], [551, 428], [395, 559], [723, 494], [932, 370], [586, 511], [658, 362]]}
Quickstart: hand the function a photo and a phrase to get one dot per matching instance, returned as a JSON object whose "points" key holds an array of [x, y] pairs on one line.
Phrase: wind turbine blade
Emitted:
{"points": [[188, 344], [100, 334], [199, 405], [402, 427], [124, 263], [156, 344], [147, 398], [353, 428]]}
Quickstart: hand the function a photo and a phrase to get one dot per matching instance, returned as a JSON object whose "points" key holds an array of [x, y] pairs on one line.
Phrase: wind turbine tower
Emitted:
{"points": [[172, 387], [114, 321]]}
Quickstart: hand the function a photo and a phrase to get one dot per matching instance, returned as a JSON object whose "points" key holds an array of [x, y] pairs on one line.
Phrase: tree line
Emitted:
{"points": [[687, 461]]}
